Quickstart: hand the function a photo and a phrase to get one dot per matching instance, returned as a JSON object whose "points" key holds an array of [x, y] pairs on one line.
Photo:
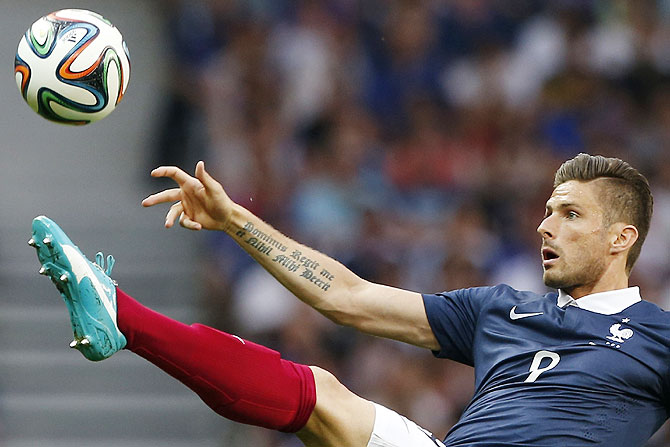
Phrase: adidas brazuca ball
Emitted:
{"points": [[72, 66]]}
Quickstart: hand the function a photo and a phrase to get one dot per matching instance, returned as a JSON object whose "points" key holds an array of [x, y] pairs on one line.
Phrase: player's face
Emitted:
{"points": [[574, 237]]}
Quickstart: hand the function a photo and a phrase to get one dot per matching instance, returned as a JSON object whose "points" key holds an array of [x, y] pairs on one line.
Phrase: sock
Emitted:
{"points": [[238, 379]]}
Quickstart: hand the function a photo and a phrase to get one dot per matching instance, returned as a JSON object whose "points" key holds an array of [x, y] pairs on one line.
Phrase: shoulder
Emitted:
{"points": [[501, 294], [506, 291], [649, 312], [648, 318]]}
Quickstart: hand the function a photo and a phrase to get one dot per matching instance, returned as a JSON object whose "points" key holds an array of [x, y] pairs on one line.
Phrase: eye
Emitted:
{"points": [[572, 215]]}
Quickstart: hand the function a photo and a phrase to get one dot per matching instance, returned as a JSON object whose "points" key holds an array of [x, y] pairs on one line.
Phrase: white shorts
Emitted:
{"points": [[394, 430]]}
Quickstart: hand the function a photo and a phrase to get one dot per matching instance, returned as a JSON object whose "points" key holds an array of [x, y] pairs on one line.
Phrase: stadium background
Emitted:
{"points": [[415, 141]]}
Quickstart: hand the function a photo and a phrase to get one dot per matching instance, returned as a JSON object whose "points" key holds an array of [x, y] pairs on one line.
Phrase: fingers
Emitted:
{"points": [[172, 172], [173, 213], [188, 185], [176, 212], [189, 224], [201, 174], [169, 195]]}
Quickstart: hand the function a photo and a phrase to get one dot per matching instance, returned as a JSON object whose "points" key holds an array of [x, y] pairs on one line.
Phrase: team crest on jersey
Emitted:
{"points": [[619, 334]]}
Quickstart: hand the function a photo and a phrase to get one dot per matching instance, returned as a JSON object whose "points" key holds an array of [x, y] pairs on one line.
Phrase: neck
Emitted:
{"points": [[608, 281]]}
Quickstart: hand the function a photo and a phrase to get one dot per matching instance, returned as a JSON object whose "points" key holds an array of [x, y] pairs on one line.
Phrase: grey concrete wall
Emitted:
{"points": [[55, 169]]}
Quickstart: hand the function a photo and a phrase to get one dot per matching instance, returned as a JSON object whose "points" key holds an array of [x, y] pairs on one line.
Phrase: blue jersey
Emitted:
{"points": [[552, 375]]}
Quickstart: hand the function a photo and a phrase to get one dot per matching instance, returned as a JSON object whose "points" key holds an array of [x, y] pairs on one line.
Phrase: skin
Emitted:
{"points": [[591, 252], [340, 417], [591, 258]]}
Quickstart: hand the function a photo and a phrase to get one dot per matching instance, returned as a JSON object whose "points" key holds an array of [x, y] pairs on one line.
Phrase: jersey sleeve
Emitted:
{"points": [[453, 318]]}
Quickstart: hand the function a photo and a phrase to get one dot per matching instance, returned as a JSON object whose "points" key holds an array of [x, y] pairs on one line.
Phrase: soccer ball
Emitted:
{"points": [[72, 66]]}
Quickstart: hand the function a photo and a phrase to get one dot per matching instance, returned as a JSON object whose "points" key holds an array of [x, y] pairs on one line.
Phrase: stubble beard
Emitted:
{"points": [[577, 275]]}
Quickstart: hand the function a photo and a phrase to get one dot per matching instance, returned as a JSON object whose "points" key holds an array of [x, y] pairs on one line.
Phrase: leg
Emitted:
{"points": [[238, 379], [339, 418], [246, 382]]}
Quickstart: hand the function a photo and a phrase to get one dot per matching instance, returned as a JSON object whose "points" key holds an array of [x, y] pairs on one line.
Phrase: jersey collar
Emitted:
{"points": [[606, 303]]}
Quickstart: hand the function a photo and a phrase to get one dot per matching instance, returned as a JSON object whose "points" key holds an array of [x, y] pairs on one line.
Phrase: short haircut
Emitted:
{"points": [[625, 193]]}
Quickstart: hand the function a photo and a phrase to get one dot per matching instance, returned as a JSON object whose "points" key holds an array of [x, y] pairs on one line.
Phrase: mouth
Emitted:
{"points": [[549, 257]]}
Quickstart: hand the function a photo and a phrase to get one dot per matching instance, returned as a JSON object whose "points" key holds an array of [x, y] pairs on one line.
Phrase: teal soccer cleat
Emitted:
{"points": [[88, 291]]}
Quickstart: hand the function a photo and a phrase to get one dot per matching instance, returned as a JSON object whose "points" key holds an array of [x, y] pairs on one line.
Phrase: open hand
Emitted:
{"points": [[199, 202]]}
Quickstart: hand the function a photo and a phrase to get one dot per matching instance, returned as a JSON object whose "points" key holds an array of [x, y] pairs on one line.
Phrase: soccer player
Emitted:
{"points": [[587, 365]]}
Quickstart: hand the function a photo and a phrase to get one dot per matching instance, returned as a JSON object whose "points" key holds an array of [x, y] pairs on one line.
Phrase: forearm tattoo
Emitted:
{"points": [[262, 242], [295, 262]]}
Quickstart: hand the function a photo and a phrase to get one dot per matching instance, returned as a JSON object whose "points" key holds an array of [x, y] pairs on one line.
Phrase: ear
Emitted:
{"points": [[623, 236]]}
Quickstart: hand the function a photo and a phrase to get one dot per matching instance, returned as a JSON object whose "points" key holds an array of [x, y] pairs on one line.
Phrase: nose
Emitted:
{"points": [[544, 229]]}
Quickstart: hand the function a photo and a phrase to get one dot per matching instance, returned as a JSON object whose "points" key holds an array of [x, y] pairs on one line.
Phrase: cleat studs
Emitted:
{"points": [[63, 277], [76, 344], [32, 242], [47, 241], [43, 270]]}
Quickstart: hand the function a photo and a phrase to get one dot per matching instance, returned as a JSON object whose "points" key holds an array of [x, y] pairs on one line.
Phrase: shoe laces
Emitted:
{"points": [[100, 262]]}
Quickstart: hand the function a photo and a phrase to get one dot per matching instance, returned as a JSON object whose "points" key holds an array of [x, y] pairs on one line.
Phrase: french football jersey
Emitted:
{"points": [[553, 371]]}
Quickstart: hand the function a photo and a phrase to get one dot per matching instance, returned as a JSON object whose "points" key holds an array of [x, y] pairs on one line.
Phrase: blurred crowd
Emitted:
{"points": [[415, 141]]}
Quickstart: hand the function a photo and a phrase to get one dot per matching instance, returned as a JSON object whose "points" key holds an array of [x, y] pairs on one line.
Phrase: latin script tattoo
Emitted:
{"points": [[307, 268]]}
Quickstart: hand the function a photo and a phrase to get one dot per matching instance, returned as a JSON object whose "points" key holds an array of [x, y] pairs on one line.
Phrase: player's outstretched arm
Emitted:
{"points": [[200, 202]]}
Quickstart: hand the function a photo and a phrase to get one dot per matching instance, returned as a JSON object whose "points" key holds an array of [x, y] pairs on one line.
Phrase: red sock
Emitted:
{"points": [[239, 380]]}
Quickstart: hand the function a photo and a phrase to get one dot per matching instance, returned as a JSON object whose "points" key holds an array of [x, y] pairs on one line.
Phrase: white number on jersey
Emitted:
{"points": [[535, 369]]}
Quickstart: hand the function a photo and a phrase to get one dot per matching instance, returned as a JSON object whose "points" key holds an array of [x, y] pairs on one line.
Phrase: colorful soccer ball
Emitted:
{"points": [[72, 66]]}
